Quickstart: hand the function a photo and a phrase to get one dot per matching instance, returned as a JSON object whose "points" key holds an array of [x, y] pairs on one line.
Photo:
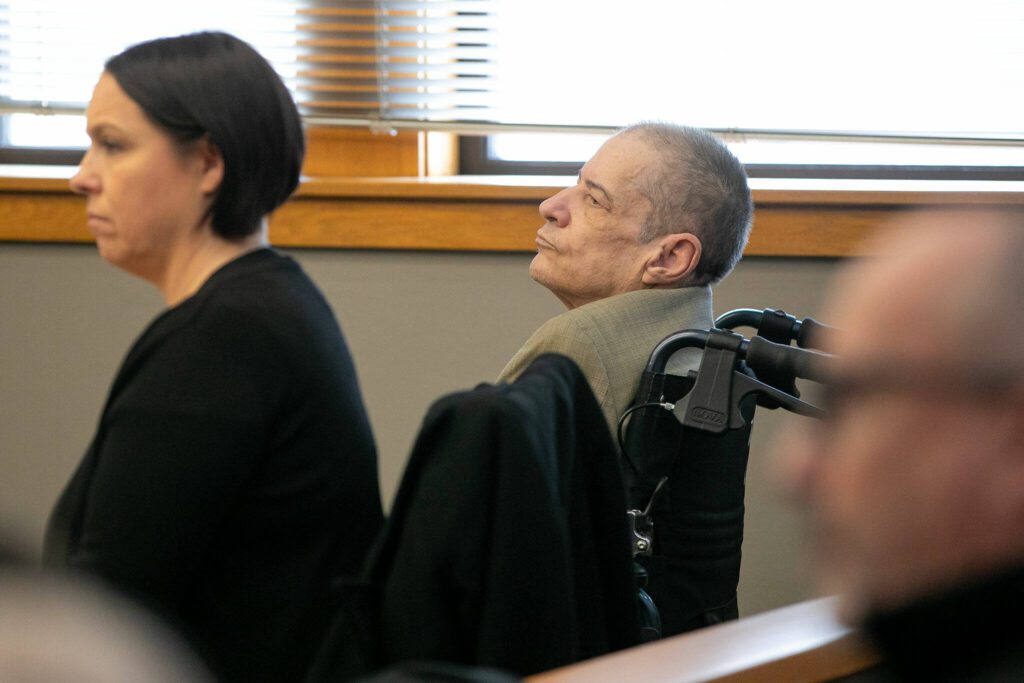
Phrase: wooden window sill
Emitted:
{"points": [[816, 218]]}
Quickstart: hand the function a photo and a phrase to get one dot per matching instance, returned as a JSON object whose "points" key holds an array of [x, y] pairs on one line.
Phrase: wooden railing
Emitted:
{"points": [[795, 644]]}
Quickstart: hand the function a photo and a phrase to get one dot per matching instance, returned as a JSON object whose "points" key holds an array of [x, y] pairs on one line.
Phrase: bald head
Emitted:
{"points": [[948, 285], [915, 480], [61, 629]]}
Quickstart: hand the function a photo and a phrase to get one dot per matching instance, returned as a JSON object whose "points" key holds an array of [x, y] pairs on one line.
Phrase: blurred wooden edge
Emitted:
{"points": [[799, 643]]}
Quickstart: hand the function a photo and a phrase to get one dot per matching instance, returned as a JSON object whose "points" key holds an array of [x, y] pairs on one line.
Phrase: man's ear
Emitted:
{"points": [[212, 166], [1006, 488], [672, 260]]}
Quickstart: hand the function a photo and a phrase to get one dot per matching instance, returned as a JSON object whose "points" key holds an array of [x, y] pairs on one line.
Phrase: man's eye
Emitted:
{"points": [[589, 199], [111, 145]]}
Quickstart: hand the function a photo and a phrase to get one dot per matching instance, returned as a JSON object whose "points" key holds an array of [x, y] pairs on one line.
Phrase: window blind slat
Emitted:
{"points": [[371, 58], [939, 69]]}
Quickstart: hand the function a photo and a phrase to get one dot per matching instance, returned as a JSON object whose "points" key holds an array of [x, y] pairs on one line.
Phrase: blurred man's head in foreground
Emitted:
{"points": [[59, 629], [915, 481]]}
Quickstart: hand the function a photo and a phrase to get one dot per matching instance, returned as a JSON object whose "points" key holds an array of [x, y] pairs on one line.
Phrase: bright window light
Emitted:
{"points": [[913, 66], [92, 32]]}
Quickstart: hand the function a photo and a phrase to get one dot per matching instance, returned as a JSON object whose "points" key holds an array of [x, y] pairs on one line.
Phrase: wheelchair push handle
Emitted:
{"points": [[778, 326], [687, 339], [764, 356], [814, 335]]}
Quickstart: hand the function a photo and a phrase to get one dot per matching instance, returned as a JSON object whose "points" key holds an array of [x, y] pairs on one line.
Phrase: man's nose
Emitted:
{"points": [[555, 209], [797, 462]]}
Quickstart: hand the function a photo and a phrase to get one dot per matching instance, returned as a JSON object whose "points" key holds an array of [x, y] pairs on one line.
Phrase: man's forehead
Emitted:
{"points": [[619, 163]]}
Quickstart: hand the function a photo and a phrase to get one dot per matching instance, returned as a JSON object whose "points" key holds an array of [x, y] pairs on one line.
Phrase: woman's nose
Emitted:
{"points": [[84, 181], [555, 209]]}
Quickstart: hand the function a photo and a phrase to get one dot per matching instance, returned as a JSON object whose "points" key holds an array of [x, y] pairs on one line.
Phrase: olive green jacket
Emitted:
{"points": [[612, 339]]}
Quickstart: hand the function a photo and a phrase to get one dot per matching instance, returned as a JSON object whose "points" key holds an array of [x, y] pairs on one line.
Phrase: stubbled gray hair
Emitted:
{"points": [[699, 187]]}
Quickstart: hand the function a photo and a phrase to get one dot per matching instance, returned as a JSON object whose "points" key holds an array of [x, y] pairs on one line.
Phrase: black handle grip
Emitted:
{"points": [[779, 360], [814, 335]]}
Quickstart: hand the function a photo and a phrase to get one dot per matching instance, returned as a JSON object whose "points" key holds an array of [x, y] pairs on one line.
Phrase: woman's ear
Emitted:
{"points": [[676, 258], [212, 166]]}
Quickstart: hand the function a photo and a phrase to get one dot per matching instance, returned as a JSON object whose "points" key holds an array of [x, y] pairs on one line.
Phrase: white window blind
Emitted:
{"points": [[414, 60], [347, 62], [876, 81]]}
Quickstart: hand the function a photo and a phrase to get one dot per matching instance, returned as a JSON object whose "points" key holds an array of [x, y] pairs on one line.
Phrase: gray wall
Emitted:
{"points": [[419, 325]]}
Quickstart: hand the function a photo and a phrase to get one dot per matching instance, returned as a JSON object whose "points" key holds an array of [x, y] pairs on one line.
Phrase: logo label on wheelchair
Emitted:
{"points": [[707, 415]]}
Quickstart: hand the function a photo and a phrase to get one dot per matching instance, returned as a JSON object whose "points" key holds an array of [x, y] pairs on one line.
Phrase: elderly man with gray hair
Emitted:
{"points": [[658, 215]]}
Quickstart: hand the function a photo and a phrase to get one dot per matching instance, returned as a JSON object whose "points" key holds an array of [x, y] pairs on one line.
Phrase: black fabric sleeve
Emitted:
{"points": [[180, 444], [161, 488]]}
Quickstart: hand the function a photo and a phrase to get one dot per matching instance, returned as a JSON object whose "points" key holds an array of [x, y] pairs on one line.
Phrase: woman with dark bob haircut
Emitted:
{"points": [[233, 475]]}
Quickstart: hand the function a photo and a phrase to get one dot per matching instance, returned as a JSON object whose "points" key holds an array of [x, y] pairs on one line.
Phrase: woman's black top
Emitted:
{"points": [[233, 475]]}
